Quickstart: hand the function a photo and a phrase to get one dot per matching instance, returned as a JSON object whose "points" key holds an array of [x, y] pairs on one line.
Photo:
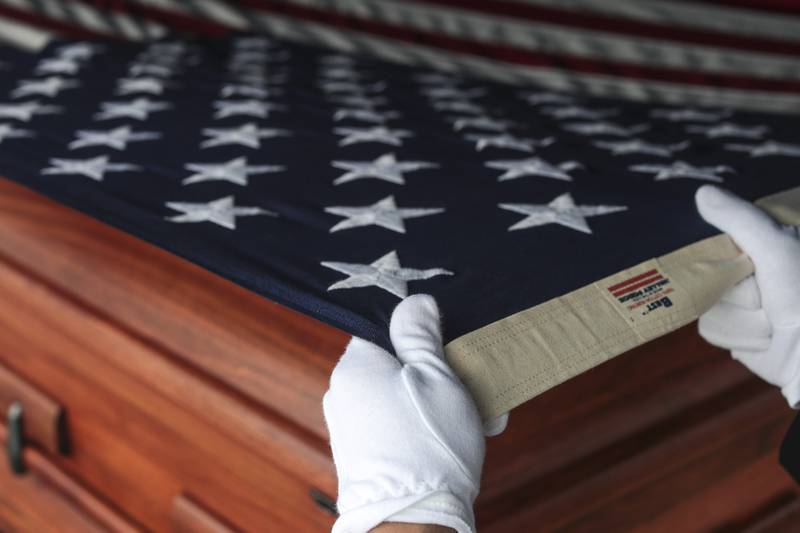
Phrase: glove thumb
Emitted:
{"points": [[416, 332], [750, 227]]}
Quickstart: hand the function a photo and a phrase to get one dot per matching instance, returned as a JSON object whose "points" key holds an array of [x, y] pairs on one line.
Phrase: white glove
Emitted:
{"points": [[758, 319], [406, 436]]}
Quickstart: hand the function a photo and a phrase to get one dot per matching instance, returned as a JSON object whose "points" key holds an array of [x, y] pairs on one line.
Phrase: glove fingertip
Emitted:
{"points": [[751, 228], [414, 309], [713, 203]]}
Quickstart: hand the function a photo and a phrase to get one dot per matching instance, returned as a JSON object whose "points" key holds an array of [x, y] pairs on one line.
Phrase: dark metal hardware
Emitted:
{"points": [[324, 502], [62, 432], [15, 441]]}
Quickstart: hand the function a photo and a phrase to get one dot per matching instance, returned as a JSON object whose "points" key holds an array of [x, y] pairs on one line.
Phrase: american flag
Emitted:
{"points": [[337, 183]]}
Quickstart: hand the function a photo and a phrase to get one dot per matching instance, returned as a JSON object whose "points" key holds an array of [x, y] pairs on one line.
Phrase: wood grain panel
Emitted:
{"points": [[729, 501], [631, 481], [782, 518], [611, 403], [134, 438], [46, 500], [189, 516]]}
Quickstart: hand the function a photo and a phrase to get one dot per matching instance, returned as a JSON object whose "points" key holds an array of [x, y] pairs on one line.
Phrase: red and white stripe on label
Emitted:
{"points": [[644, 293], [641, 281]]}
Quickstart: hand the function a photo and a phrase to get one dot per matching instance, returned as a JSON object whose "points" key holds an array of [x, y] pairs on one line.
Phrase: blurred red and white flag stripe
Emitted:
{"points": [[713, 52], [29, 23]]}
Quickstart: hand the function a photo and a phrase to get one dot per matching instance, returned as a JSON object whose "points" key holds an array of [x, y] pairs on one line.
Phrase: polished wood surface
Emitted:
{"points": [[182, 387], [45, 499], [783, 518], [188, 516], [136, 435]]}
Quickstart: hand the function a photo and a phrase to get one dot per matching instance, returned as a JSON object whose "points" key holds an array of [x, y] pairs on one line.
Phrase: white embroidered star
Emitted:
{"points": [[729, 129], [337, 60], [140, 85], [365, 115], [79, 51], [455, 93], [252, 60], [253, 108], [258, 79], [350, 87], [247, 90], [222, 212], [169, 49], [638, 146], [605, 128], [533, 167], [49, 86], [160, 59], [248, 67], [545, 97], [57, 66], [139, 109], [235, 171], [8, 131], [383, 213], [276, 56], [562, 210], [437, 78], [248, 135], [239, 69], [766, 148], [385, 273], [118, 138], [386, 168], [94, 168], [26, 110], [509, 141], [256, 75], [248, 56], [340, 73], [160, 62], [253, 43], [367, 102], [458, 106], [688, 115], [172, 49], [149, 69], [378, 134], [573, 111], [254, 72], [482, 123], [681, 169]]}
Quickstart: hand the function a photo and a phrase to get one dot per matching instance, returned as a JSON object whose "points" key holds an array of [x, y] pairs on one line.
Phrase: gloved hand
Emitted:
{"points": [[407, 439], [758, 319]]}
